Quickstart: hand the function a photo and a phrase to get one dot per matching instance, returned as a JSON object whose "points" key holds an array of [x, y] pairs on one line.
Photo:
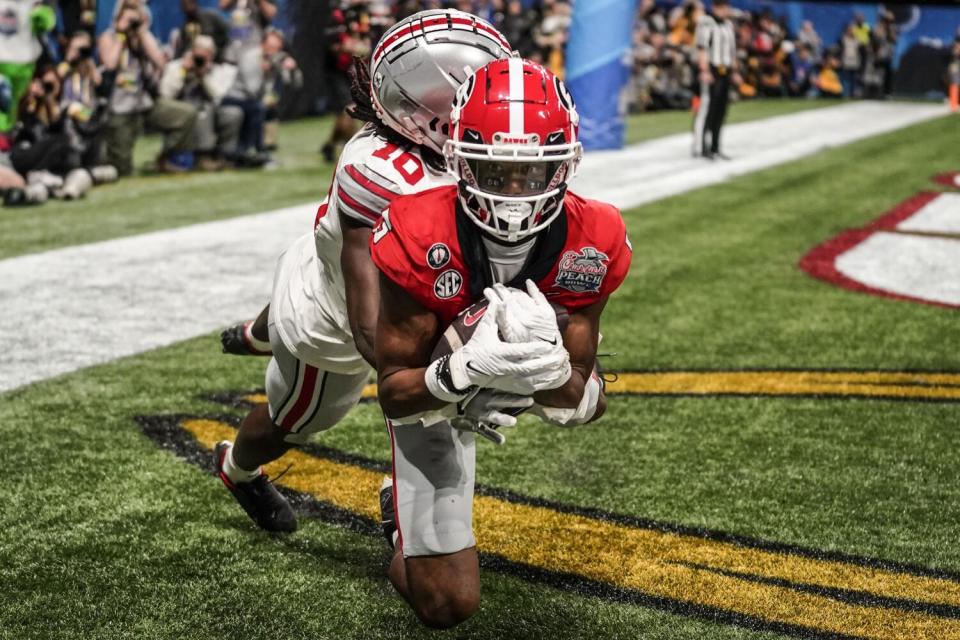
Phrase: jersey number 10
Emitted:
{"points": [[406, 164]]}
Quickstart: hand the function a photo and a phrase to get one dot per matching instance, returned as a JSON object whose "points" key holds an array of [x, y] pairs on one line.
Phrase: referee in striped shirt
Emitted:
{"points": [[717, 61]]}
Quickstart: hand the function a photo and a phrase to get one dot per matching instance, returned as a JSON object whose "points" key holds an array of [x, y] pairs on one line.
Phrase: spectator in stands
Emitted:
{"points": [[826, 80], [550, 35], [653, 16], [809, 37], [280, 72], [197, 79], [199, 22], [78, 15], [801, 71], [861, 30], [133, 57], [683, 23], [850, 62], [349, 38], [883, 44], [517, 28], [248, 21]]}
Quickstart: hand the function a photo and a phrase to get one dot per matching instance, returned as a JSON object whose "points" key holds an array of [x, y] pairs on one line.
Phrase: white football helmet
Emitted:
{"points": [[418, 65]]}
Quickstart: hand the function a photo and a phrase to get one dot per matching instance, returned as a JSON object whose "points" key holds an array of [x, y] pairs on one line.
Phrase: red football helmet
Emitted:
{"points": [[513, 147]]}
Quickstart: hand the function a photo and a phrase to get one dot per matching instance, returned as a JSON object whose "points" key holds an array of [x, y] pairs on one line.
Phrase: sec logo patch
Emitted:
{"points": [[438, 255], [448, 284]]}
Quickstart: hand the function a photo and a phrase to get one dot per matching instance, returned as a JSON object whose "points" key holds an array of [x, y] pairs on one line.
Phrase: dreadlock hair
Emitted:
{"points": [[363, 110]]}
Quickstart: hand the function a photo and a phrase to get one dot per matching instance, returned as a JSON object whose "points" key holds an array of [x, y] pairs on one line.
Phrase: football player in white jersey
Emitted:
{"points": [[321, 331]]}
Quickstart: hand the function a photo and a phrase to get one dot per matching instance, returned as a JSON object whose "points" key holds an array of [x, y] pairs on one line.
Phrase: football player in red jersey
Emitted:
{"points": [[509, 222]]}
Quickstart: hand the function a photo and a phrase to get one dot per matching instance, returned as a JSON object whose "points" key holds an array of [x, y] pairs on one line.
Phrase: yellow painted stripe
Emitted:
{"points": [[917, 386], [649, 561], [940, 386]]}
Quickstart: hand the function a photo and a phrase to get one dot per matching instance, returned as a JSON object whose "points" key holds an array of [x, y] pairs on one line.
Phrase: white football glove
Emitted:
{"points": [[486, 361], [524, 316], [483, 413]]}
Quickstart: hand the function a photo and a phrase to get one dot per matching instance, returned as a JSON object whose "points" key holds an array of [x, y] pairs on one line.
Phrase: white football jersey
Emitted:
{"points": [[309, 307]]}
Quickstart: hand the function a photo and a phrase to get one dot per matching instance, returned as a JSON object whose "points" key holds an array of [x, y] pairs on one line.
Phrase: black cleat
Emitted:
{"points": [[259, 498], [388, 515], [237, 340]]}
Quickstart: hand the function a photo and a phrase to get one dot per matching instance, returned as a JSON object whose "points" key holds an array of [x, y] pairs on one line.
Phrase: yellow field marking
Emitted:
{"points": [[939, 386], [652, 562], [886, 384]]}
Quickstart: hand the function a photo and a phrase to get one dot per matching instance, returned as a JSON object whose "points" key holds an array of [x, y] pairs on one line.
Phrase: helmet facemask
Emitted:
{"points": [[512, 191]]}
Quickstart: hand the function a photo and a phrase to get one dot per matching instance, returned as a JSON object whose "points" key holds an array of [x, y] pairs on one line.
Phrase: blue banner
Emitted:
{"points": [[598, 59]]}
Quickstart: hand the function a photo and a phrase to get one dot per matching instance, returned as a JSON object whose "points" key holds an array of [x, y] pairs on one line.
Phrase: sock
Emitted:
{"points": [[235, 473], [257, 344]]}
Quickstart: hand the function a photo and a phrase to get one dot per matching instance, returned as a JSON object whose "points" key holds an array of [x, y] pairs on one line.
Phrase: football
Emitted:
{"points": [[461, 329]]}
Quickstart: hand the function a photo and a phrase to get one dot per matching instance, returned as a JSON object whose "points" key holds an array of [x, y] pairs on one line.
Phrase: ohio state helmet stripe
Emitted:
{"points": [[438, 23], [515, 69]]}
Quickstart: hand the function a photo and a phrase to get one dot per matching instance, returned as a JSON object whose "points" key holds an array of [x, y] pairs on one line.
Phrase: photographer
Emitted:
{"points": [[42, 152], [280, 72], [133, 57], [196, 78], [83, 101], [200, 22]]}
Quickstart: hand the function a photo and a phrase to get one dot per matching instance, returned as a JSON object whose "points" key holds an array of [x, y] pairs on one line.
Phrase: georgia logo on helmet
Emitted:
{"points": [[418, 65], [513, 147]]}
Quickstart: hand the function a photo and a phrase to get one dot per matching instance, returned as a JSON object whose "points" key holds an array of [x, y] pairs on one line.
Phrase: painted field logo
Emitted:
{"points": [[725, 578], [582, 271]]}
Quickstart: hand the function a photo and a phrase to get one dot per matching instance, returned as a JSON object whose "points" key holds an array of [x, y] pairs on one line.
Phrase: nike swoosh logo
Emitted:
{"points": [[553, 342], [470, 366], [471, 318]]}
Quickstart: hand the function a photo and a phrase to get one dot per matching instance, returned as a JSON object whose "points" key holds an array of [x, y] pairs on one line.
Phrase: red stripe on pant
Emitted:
{"points": [[304, 400]]}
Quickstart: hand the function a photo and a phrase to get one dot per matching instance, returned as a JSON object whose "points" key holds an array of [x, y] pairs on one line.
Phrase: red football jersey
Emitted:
{"points": [[435, 253]]}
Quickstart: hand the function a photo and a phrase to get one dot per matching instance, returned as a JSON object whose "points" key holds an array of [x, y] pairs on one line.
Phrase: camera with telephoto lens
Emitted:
{"points": [[135, 24], [49, 87], [200, 62]]}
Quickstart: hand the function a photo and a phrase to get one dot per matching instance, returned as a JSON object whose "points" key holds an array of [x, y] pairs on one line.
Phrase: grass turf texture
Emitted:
{"points": [[148, 202], [106, 536]]}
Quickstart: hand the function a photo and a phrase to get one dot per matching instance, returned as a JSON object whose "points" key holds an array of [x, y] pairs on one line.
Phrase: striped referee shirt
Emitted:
{"points": [[718, 39]]}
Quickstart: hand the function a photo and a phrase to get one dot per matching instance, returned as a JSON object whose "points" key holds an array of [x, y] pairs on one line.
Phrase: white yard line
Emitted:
{"points": [[71, 308], [664, 167]]}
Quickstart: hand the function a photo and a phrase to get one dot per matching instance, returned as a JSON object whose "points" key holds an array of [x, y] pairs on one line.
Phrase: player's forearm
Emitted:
{"points": [[404, 393], [567, 396], [363, 337]]}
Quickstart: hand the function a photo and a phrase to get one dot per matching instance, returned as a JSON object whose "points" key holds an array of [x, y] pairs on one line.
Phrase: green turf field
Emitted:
{"points": [[764, 517]]}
